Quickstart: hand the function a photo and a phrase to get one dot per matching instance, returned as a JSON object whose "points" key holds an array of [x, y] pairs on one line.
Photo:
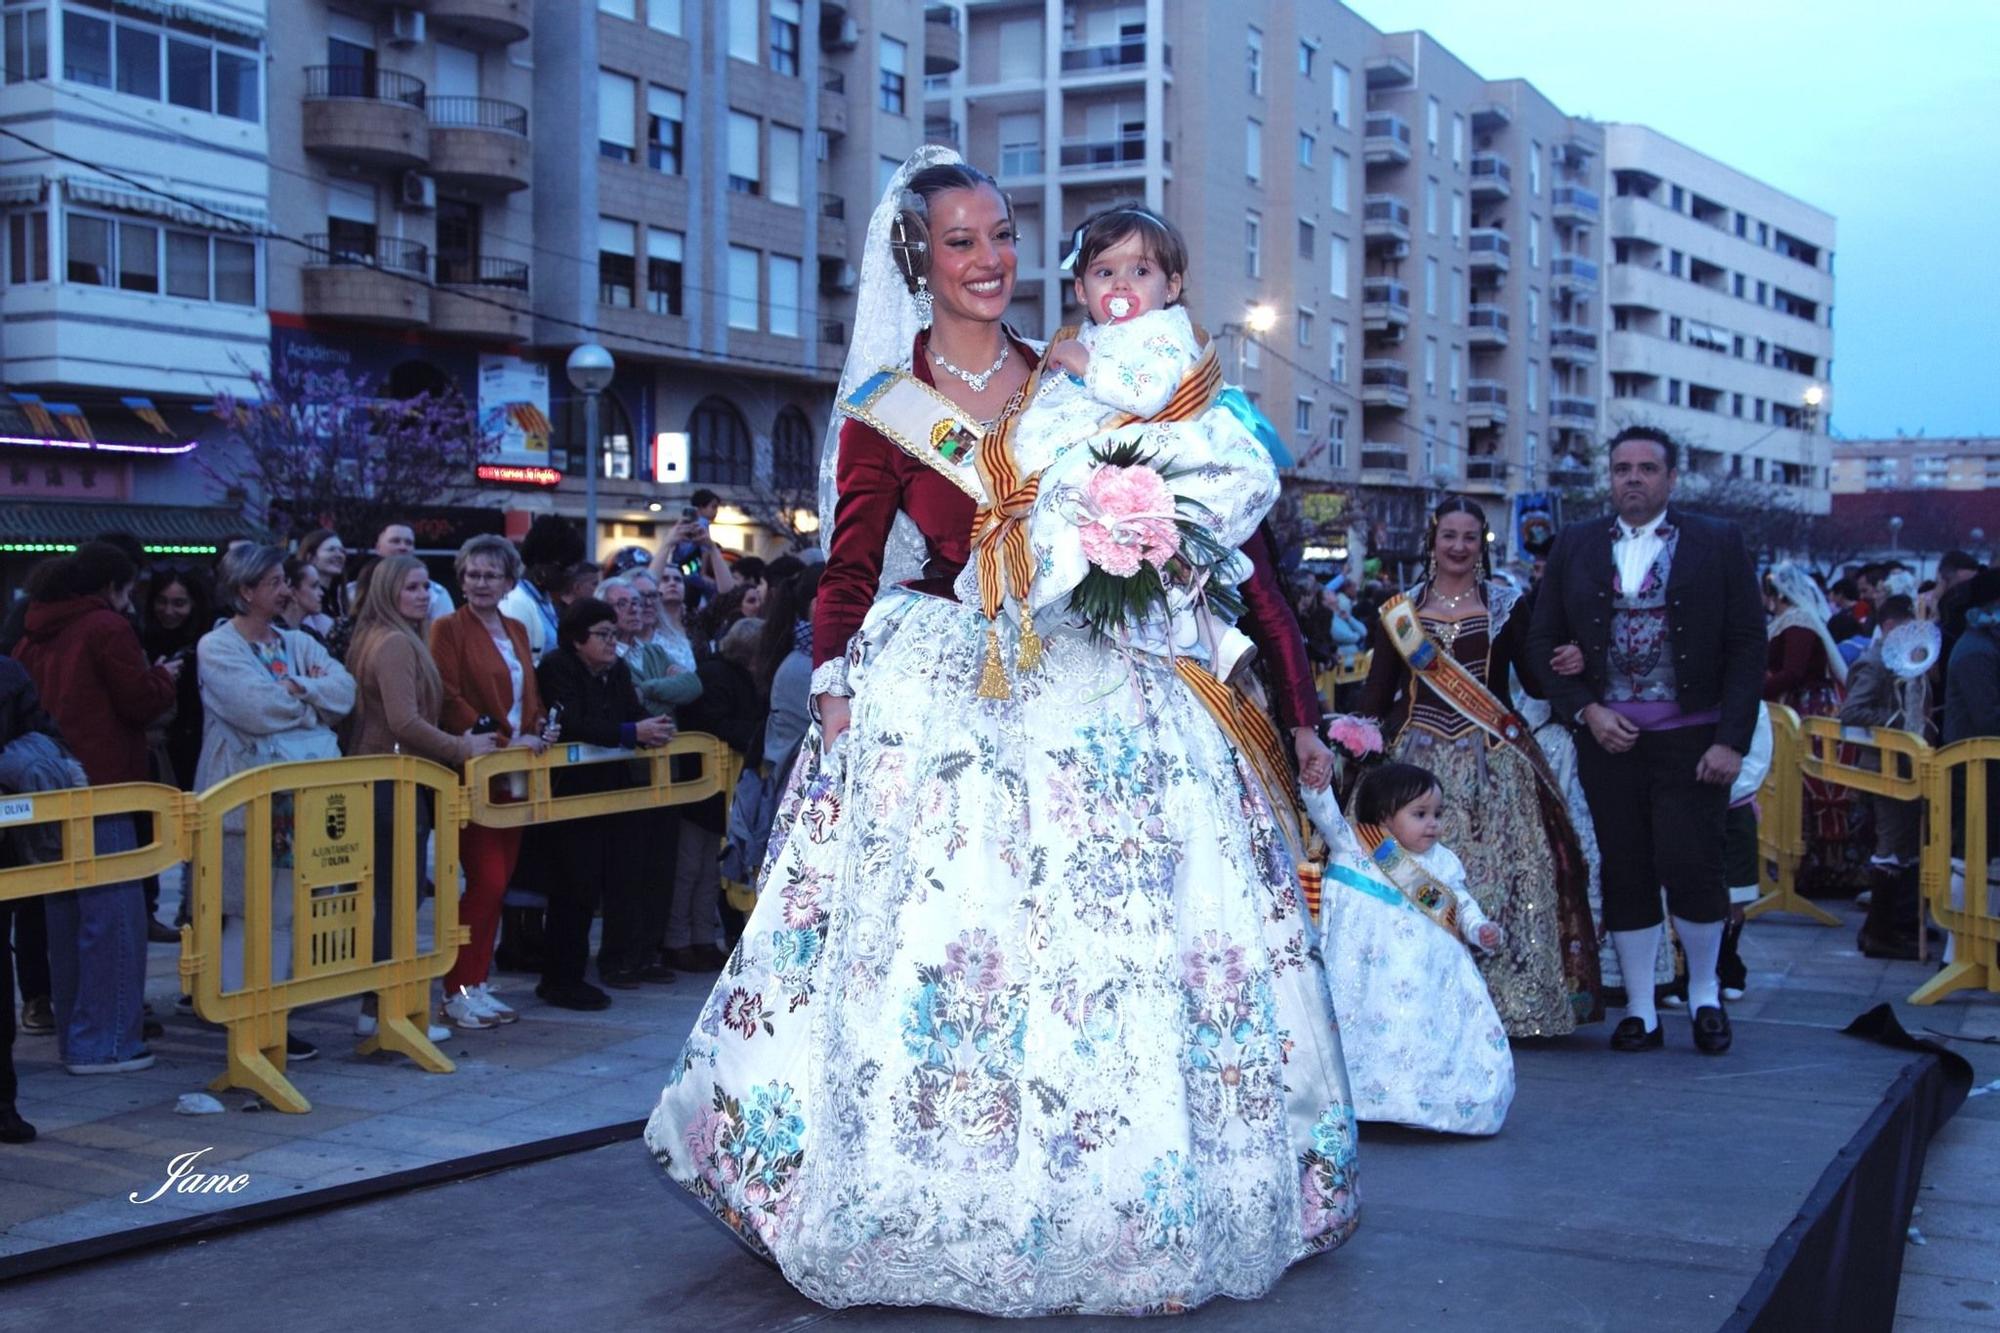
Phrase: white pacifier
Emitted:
{"points": [[1118, 307]]}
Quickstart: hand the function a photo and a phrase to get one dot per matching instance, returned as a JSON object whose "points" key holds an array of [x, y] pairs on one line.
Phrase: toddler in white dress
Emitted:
{"points": [[1425, 1047]]}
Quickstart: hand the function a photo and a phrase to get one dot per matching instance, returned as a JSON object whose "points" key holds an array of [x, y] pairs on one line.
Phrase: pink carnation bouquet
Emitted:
{"points": [[1356, 737], [1140, 538], [1356, 741], [1129, 520]]}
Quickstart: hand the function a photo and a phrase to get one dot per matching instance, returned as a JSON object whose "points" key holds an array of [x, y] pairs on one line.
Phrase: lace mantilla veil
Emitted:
{"points": [[885, 327]]}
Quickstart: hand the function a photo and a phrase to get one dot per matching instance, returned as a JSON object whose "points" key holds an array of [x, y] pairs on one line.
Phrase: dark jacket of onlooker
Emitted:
{"points": [[729, 708], [94, 680], [1972, 708], [598, 708]]}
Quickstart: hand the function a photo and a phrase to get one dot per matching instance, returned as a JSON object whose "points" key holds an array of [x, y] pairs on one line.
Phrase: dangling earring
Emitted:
{"points": [[924, 302]]}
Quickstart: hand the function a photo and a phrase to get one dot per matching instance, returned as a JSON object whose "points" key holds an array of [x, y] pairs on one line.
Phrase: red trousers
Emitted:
{"points": [[488, 856]]}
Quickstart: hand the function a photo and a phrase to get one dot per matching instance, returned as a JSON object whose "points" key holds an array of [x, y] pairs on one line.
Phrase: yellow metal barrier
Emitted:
{"points": [[77, 809], [1879, 760], [331, 887], [692, 767], [1781, 842], [1353, 673], [1971, 918]]}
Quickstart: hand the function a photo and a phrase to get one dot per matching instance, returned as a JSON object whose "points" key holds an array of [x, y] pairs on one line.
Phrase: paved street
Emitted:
{"points": [[558, 1071]]}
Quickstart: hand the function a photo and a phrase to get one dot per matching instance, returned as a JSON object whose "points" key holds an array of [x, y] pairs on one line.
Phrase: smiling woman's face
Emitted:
{"points": [[972, 255]]}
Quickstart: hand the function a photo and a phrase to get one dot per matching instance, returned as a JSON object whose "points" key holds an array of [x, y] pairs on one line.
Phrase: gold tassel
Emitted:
{"points": [[993, 676], [1031, 645]]}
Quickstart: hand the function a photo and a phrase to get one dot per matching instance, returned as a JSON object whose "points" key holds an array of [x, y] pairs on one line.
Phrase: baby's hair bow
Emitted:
{"points": [[1075, 248]]}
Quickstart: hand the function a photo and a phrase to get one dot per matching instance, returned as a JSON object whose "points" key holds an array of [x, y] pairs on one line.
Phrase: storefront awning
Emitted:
{"points": [[127, 424], [161, 529], [213, 213], [18, 190]]}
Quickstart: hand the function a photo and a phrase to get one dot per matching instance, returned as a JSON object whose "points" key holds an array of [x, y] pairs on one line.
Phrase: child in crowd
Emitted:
{"points": [[1424, 1044]]}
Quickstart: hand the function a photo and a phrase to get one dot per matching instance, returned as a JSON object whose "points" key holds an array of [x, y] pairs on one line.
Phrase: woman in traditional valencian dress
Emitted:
{"points": [[1026, 1019], [1804, 671], [1439, 680]]}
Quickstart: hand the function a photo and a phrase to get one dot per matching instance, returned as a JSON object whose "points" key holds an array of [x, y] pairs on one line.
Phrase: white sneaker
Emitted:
{"points": [[364, 1026], [1732, 992], [482, 995], [464, 1011]]}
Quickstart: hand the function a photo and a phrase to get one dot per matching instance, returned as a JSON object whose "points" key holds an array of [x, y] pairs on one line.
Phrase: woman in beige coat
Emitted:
{"points": [[399, 697]]}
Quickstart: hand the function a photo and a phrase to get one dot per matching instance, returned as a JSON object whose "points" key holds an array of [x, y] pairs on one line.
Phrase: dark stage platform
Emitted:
{"points": [[1627, 1193]]}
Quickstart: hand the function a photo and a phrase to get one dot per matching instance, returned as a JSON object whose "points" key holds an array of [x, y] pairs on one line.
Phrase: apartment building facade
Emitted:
{"points": [[718, 182], [135, 278], [483, 185], [1421, 245], [1919, 494], [1720, 300]]}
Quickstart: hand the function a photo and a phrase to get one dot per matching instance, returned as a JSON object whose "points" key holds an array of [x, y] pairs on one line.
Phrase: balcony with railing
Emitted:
{"points": [[499, 22], [1385, 383], [1376, 457], [1124, 56], [1573, 203], [1387, 139], [1385, 303], [1491, 250], [1573, 413], [480, 144], [368, 281], [1486, 326], [832, 225], [1122, 151], [1385, 220], [1486, 469], [941, 129], [1485, 404], [366, 115], [1388, 71], [480, 298], [944, 44], [1492, 178], [1569, 273], [832, 101], [1574, 343], [1569, 470]]}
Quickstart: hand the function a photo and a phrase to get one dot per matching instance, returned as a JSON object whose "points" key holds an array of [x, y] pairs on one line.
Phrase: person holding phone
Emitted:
{"points": [[590, 695]]}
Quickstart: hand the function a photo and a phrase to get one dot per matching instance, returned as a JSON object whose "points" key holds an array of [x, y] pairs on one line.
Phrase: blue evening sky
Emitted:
{"points": [[1886, 116]]}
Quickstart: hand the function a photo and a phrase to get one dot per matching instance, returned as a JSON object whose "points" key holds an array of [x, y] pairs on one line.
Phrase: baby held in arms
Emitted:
{"points": [[1126, 378]]}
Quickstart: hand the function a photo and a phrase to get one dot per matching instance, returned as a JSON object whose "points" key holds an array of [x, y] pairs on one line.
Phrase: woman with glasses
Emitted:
{"points": [[487, 666], [590, 696]]}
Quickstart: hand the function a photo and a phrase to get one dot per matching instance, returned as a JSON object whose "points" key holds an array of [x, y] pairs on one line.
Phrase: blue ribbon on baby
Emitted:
{"points": [[1256, 423], [1374, 888]]}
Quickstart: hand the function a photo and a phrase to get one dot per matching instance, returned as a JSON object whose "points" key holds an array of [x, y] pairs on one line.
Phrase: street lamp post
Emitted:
{"points": [[1258, 319], [590, 368], [1895, 534]]}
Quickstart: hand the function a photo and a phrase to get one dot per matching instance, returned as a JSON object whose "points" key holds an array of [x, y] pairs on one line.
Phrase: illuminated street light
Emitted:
{"points": [[1260, 318]]}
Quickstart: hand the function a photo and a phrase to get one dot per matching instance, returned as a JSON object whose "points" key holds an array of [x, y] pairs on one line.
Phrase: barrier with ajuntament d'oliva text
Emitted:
{"points": [[301, 844]]}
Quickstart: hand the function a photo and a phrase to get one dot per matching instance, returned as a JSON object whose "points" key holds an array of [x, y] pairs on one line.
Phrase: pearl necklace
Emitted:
{"points": [[1453, 601], [977, 381]]}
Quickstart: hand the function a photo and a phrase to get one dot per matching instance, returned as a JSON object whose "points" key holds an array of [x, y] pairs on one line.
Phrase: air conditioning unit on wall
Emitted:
{"points": [[406, 26], [842, 36], [419, 193]]}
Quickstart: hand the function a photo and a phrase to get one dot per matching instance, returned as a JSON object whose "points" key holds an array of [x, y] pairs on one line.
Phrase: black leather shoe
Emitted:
{"points": [[13, 1129], [1631, 1035], [1711, 1030], [573, 995]]}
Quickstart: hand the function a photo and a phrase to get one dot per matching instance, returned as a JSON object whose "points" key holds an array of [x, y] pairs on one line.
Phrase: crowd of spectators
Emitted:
{"points": [[117, 672]]}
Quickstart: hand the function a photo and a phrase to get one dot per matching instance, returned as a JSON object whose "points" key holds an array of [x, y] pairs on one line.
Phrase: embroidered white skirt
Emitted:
{"points": [[1027, 1019]]}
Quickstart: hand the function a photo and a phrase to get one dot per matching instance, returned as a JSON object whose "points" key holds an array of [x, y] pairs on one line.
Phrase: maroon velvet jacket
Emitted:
{"points": [[876, 478]]}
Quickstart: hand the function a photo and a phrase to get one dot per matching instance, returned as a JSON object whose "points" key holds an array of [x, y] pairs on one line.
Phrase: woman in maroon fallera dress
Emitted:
{"points": [[1027, 1019]]}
